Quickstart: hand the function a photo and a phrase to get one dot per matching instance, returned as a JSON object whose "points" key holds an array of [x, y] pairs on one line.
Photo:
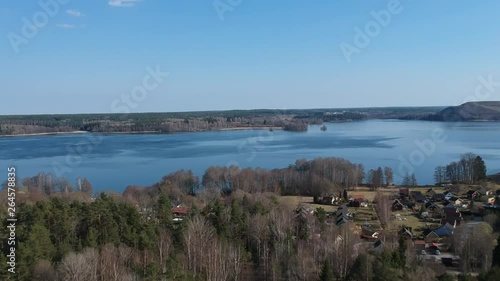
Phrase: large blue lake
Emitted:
{"points": [[112, 162]]}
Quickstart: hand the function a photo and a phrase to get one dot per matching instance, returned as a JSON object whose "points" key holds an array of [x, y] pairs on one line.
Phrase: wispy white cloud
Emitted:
{"points": [[65, 25], [123, 3], [74, 13]]}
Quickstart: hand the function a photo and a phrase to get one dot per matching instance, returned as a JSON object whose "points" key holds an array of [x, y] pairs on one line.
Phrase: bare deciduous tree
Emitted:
{"points": [[197, 234], [383, 207], [79, 266], [473, 243], [164, 243], [345, 250], [113, 262]]}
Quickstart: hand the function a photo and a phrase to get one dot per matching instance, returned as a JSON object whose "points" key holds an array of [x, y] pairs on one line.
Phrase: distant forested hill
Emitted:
{"points": [[470, 111]]}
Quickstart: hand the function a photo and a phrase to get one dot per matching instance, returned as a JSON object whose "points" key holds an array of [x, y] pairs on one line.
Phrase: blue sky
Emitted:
{"points": [[248, 54]]}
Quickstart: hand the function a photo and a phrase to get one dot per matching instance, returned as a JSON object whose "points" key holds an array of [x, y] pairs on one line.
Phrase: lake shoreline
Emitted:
{"points": [[44, 134], [140, 132], [270, 128]]}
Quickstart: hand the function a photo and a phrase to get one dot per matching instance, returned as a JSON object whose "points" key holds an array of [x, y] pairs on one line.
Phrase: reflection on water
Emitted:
{"points": [[121, 160]]}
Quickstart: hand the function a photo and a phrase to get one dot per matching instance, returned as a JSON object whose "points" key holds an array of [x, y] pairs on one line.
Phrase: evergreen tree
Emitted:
{"points": [[402, 252], [361, 269], [413, 180], [238, 221], [321, 217], [302, 227], [479, 169], [406, 180], [163, 211], [326, 272]]}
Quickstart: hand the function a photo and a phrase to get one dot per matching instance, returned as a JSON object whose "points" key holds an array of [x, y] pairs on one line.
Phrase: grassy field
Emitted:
{"points": [[295, 201], [366, 216], [408, 219]]}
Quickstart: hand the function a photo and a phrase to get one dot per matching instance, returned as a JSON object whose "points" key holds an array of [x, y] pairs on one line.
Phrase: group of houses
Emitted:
{"points": [[445, 210], [355, 200]]}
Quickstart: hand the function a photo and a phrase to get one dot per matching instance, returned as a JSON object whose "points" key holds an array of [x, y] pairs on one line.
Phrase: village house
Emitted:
{"points": [[406, 233], [418, 196], [357, 200], [431, 206], [430, 193], [452, 216], [435, 235], [397, 205], [457, 202], [180, 213], [354, 203], [432, 210], [420, 246], [438, 197], [369, 234], [326, 200], [342, 215], [359, 197], [470, 193], [449, 195], [404, 192]]}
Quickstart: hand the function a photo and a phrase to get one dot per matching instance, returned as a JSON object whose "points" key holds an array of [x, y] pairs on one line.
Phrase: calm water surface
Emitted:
{"points": [[111, 162]]}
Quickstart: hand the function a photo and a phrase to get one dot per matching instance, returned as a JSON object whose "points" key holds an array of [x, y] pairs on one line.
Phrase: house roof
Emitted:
{"points": [[341, 220], [482, 191], [341, 215], [358, 196], [428, 204], [444, 230], [368, 232], [397, 202], [438, 196], [404, 191], [419, 197], [432, 234], [405, 231], [180, 210], [343, 211]]}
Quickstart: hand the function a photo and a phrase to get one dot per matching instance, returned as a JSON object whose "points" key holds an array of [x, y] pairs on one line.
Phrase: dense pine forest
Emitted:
{"points": [[232, 224]]}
